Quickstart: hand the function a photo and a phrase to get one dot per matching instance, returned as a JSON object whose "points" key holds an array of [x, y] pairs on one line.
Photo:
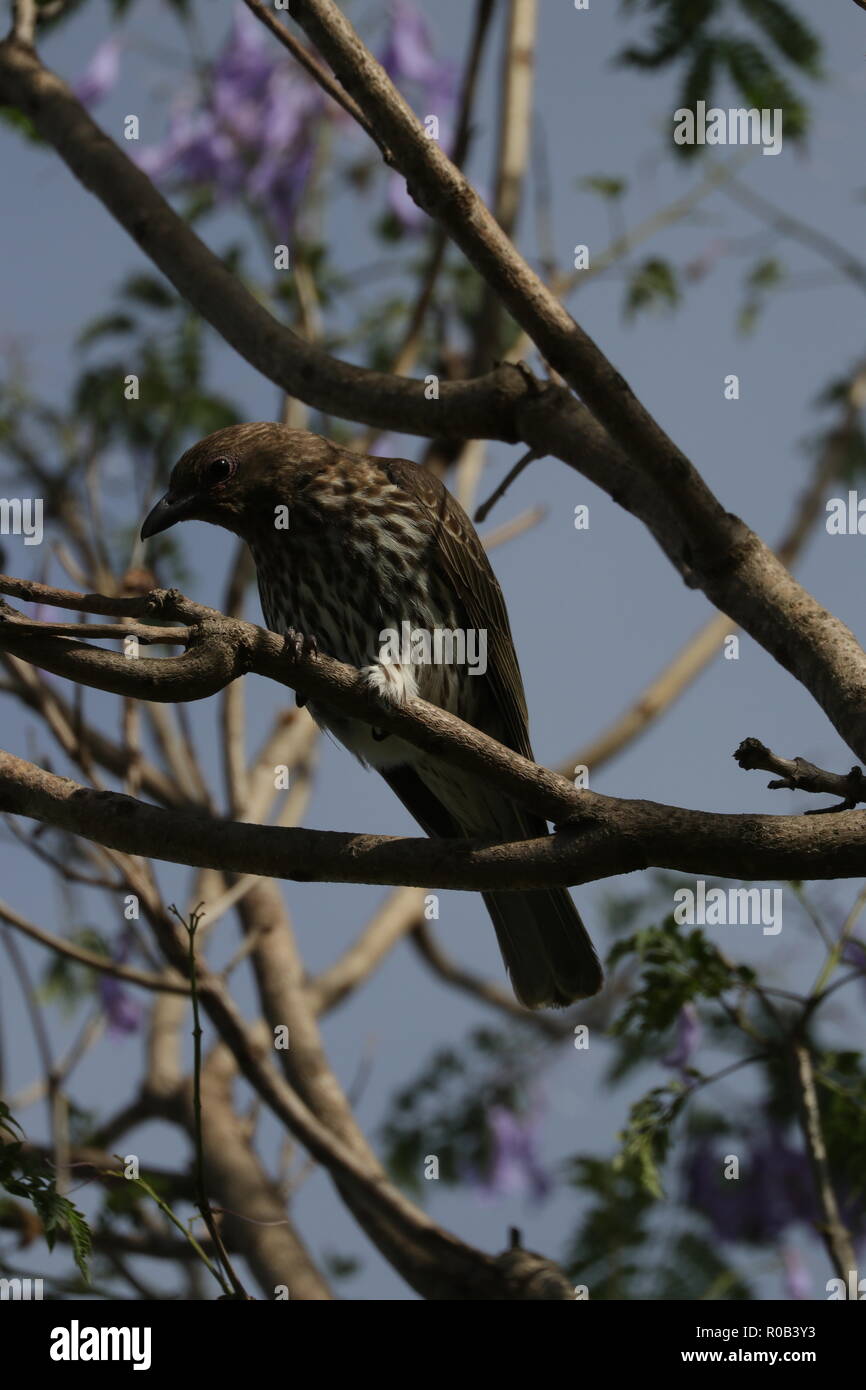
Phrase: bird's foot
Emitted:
{"points": [[300, 644]]}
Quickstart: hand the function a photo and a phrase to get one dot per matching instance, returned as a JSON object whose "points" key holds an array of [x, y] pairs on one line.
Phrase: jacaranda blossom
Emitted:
{"points": [[773, 1191], [688, 1040], [101, 74], [515, 1167], [251, 131], [410, 62]]}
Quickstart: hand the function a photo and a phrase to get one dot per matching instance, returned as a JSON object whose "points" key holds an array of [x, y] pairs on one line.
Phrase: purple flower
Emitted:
{"points": [[701, 266], [101, 73], [854, 954], [514, 1167], [403, 206], [124, 1013], [251, 133], [408, 56], [798, 1281], [688, 1040], [774, 1189]]}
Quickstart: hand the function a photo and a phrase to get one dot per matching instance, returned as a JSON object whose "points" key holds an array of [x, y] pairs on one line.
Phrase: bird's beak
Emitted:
{"points": [[167, 512]]}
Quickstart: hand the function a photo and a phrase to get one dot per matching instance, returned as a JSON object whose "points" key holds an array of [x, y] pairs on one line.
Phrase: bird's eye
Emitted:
{"points": [[218, 471]]}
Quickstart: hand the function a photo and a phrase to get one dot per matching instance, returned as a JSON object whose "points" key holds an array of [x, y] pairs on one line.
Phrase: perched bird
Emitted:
{"points": [[348, 549]]}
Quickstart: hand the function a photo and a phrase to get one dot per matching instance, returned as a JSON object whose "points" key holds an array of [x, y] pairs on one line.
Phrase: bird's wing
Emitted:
{"points": [[464, 568]]}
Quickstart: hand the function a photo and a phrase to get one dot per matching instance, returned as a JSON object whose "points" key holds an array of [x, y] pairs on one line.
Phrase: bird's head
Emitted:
{"points": [[237, 476]]}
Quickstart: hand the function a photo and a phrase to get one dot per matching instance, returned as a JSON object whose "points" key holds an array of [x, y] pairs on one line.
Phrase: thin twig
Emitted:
{"points": [[834, 1233], [314, 67], [163, 984], [482, 512], [234, 1287]]}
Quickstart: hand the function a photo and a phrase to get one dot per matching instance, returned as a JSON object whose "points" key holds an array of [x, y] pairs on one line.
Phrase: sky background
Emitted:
{"points": [[596, 613]]}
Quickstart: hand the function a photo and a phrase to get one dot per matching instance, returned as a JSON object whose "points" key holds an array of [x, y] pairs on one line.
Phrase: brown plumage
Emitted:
{"points": [[347, 548]]}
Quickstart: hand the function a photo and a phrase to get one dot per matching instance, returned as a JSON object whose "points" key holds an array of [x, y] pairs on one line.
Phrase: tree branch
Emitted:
{"points": [[92, 959], [626, 836], [797, 774], [835, 1235]]}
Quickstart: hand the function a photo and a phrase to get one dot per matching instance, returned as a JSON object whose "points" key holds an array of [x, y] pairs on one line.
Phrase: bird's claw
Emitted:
{"points": [[300, 644]]}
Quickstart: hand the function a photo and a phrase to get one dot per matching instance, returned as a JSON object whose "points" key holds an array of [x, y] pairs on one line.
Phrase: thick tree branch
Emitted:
{"points": [[286, 1003], [626, 836]]}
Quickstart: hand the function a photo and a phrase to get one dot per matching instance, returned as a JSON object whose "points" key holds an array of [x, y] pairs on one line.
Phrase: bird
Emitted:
{"points": [[349, 549]]}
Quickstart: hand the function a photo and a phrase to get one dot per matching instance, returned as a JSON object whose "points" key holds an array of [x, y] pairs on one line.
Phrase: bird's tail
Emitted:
{"points": [[546, 947]]}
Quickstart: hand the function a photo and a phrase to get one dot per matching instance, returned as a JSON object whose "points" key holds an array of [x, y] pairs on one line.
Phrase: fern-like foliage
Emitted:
{"points": [[750, 44]]}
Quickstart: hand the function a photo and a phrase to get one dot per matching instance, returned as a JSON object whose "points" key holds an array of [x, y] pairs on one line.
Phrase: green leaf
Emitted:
{"points": [[28, 1177], [788, 32], [80, 1239], [672, 35], [11, 116], [646, 1139], [149, 290], [653, 286], [605, 186], [764, 276], [761, 85], [8, 1120], [765, 273], [104, 327], [675, 970], [697, 86]]}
